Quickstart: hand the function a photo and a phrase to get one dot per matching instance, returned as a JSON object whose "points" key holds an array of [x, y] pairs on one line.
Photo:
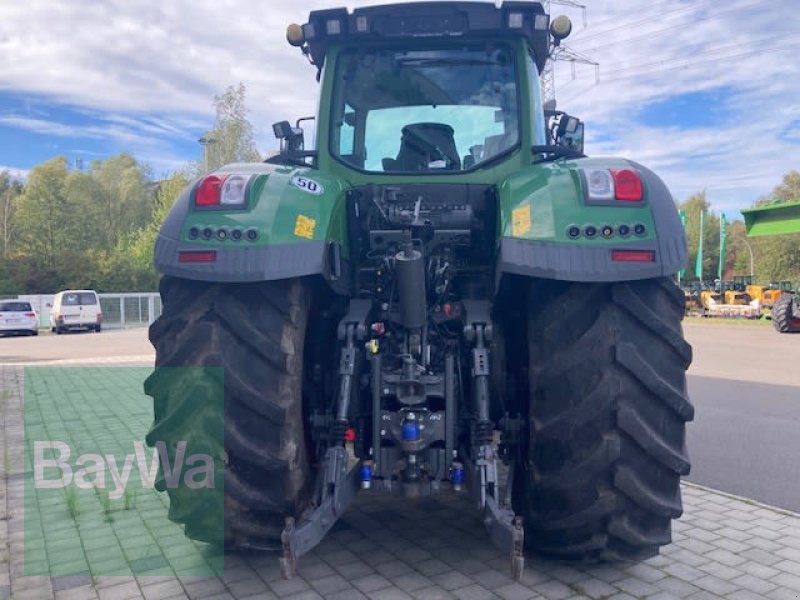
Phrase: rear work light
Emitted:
{"points": [[229, 191], [197, 256], [633, 255], [611, 185]]}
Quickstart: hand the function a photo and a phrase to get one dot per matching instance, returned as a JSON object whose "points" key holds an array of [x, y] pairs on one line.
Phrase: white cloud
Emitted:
{"points": [[147, 72], [21, 174]]}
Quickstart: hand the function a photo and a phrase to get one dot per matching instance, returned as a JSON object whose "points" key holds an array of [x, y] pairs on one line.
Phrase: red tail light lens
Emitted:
{"points": [[209, 190], [30, 314], [633, 255], [627, 185]]}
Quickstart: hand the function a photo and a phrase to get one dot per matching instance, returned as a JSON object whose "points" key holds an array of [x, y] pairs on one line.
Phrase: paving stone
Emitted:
{"points": [[715, 585], [164, 589], [348, 594], [286, 587], [433, 593], [595, 588], [200, 590], [788, 580], [676, 587], [515, 591], [371, 583], [122, 591], [411, 582], [554, 590], [390, 593], [473, 592], [85, 592], [636, 587], [452, 580], [492, 579]]}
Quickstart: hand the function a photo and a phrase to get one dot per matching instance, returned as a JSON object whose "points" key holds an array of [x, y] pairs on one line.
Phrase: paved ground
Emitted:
{"points": [[724, 547]]}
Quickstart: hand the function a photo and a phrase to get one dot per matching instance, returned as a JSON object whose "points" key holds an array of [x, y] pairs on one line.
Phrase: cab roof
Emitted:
{"points": [[428, 20]]}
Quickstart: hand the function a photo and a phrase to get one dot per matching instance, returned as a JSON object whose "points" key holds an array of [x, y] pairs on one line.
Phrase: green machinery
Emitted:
{"points": [[778, 219], [443, 289]]}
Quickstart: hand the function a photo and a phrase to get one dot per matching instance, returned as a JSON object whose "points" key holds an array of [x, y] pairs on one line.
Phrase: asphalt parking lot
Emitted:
{"points": [[723, 546]]}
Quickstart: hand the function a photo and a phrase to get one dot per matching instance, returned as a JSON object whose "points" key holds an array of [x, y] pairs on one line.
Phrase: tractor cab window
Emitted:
{"points": [[437, 110]]}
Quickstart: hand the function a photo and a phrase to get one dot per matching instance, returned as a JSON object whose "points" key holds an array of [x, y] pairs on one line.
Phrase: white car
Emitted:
{"points": [[17, 317], [76, 309]]}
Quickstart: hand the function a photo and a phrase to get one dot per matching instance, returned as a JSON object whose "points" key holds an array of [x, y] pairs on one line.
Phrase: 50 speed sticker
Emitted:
{"points": [[308, 185]]}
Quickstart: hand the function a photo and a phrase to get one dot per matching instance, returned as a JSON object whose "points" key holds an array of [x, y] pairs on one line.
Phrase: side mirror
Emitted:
{"points": [[569, 133], [291, 137]]}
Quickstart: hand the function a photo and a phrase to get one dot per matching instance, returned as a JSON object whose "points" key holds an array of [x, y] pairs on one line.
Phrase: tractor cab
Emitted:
{"points": [[435, 88]]}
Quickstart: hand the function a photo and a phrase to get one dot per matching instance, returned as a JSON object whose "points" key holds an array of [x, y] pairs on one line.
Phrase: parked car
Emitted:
{"points": [[18, 317], [76, 309]]}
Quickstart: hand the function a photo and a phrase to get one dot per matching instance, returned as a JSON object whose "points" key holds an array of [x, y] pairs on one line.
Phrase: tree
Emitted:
{"points": [[10, 191], [694, 205], [778, 257], [47, 221], [786, 191], [231, 139], [125, 200]]}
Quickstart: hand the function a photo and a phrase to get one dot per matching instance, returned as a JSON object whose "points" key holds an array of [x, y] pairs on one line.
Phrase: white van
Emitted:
{"points": [[75, 309]]}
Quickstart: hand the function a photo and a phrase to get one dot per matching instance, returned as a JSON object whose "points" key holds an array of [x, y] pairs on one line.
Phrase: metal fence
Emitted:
{"points": [[136, 309]]}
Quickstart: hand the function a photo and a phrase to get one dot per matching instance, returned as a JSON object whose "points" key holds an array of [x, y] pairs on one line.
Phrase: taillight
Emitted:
{"points": [[208, 192], [606, 186], [99, 317], [30, 314], [633, 255], [222, 190], [627, 185]]}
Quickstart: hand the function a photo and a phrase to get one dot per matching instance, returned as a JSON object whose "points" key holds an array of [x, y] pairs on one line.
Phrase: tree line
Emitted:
{"points": [[774, 258], [67, 228]]}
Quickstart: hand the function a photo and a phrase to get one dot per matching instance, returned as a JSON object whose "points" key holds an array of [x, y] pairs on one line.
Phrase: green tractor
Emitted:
{"points": [[443, 295], [778, 219]]}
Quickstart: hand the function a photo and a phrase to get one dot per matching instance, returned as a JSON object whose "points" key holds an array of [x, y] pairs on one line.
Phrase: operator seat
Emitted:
{"points": [[425, 147]]}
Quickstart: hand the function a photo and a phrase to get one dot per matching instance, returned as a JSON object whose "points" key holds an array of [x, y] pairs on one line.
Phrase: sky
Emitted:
{"points": [[704, 92]]}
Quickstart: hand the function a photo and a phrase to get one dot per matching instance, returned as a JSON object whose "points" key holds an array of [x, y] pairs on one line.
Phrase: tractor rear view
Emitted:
{"points": [[445, 288]]}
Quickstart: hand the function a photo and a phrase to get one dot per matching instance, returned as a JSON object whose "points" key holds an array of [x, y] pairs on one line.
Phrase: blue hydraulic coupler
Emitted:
{"points": [[458, 477], [366, 476], [410, 431]]}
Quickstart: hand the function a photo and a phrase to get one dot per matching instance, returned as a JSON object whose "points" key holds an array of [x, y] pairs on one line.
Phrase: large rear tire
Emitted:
{"points": [[608, 407], [256, 333], [784, 318]]}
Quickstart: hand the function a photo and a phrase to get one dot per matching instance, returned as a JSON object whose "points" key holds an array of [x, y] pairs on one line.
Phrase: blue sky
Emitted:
{"points": [[707, 93]]}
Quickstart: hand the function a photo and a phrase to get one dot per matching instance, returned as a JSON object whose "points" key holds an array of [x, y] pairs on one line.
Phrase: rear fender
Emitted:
{"points": [[297, 216], [539, 205]]}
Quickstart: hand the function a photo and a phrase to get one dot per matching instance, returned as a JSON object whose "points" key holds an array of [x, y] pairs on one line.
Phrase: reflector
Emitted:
{"points": [[197, 256], [633, 255]]}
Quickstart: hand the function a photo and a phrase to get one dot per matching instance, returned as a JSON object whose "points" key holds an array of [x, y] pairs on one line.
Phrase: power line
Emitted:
{"points": [[558, 52], [641, 73]]}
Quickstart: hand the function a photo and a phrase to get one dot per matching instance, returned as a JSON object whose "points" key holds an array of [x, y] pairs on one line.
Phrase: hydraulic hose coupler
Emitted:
{"points": [[410, 430], [366, 474], [457, 476]]}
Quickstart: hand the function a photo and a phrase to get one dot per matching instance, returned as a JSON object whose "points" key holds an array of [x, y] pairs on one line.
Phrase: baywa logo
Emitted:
{"points": [[89, 470]]}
